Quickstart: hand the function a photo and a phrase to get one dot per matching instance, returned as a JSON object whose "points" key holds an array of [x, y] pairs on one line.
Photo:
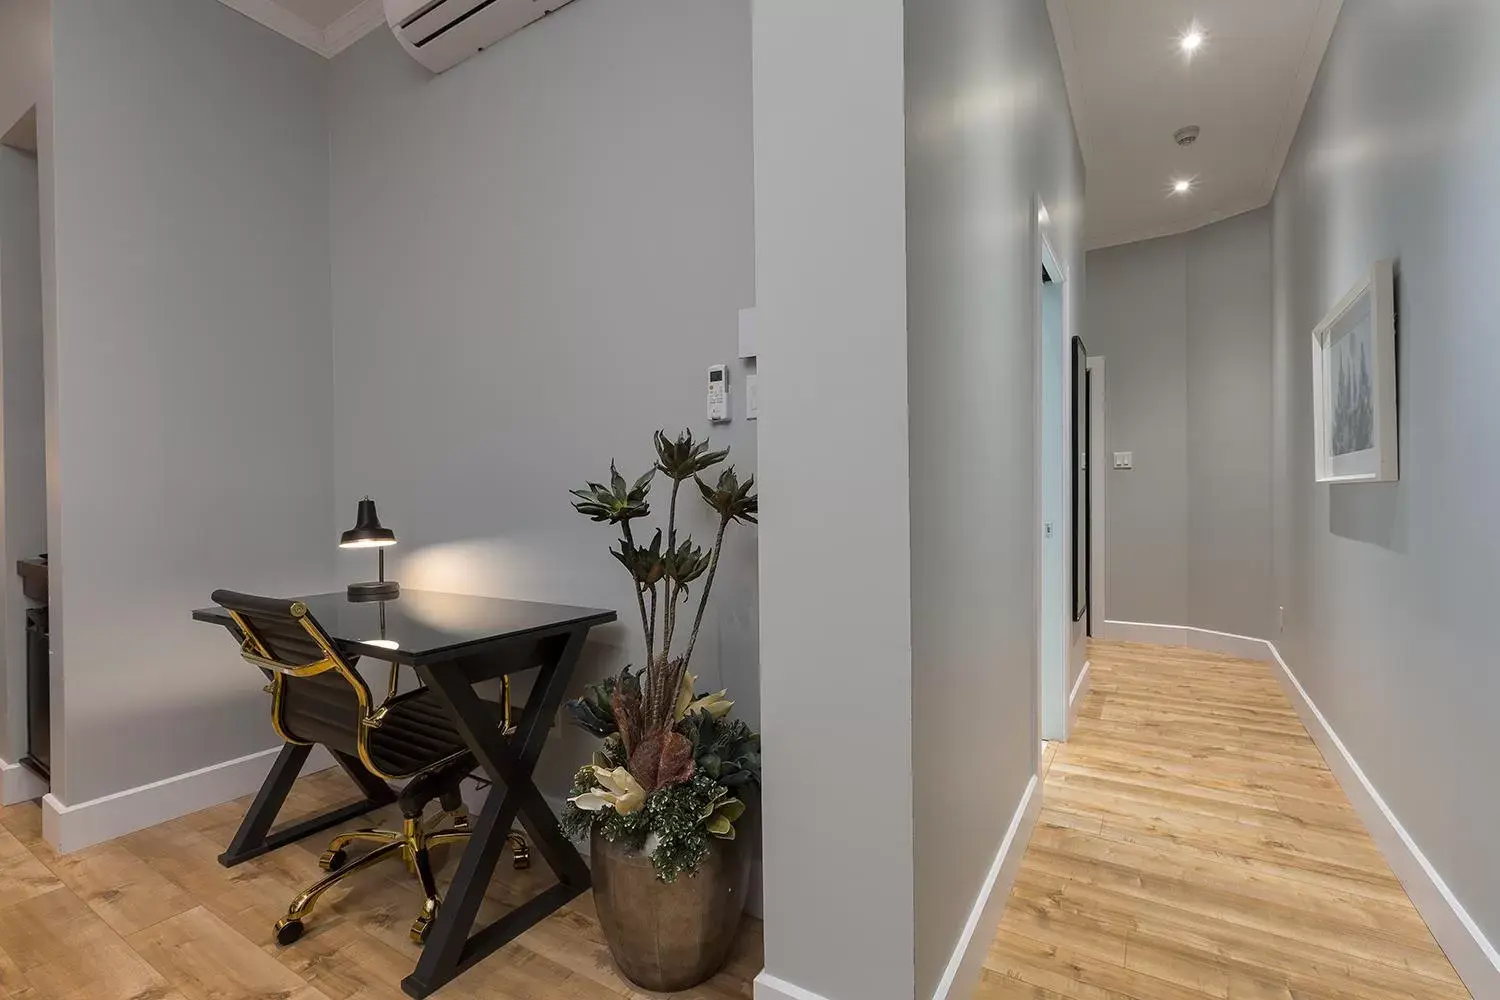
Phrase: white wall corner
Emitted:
{"points": [[19, 783], [270, 14], [71, 828], [353, 26], [769, 987], [1473, 956], [1079, 692], [967, 961], [327, 42]]}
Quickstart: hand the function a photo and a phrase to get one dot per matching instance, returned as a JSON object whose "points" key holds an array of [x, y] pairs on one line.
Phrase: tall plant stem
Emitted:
{"points": [[640, 599], [651, 632], [708, 585], [669, 614]]}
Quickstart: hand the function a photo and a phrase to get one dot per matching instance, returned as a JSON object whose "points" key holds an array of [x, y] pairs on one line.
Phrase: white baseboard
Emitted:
{"points": [[19, 783], [73, 827], [1473, 956], [1471, 953], [1244, 646], [1080, 690], [768, 987], [963, 971]]}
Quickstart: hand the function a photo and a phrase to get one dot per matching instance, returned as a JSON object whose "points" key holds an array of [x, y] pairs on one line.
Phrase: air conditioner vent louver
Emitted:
{"points": [[440, 34]]}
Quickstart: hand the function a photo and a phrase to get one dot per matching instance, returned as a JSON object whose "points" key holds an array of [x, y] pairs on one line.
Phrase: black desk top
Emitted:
{"points": [[428, 627]]}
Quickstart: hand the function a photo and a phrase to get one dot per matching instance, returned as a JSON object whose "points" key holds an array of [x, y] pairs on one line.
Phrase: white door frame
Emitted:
{"points": [[1051, 718], [1099, 466]]}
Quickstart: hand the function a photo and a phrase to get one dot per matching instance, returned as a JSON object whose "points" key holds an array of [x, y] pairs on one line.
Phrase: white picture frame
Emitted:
{"points": [[1354, 384]]}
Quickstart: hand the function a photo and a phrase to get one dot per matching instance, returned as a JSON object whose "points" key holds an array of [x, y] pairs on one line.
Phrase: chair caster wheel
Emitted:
{"points": [[420, 928], [288, 929], [332, 861]]}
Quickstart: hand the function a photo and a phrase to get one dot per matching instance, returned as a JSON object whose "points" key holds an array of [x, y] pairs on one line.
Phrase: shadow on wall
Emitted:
{"points": [[1368, 512], [1373, 512]]}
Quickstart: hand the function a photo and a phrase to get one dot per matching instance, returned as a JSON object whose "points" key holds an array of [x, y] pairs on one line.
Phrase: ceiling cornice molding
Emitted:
{"points": [[1302, 88], [1120, 239], [353, 26], [1062, 33], [339, 35]]}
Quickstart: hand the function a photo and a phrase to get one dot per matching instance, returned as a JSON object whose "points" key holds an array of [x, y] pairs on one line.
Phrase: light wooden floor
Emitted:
{"points": [[153, 917], [1192, 843]]}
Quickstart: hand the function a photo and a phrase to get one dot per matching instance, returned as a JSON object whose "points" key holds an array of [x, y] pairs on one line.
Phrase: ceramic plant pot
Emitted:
{"points": [[670, 936]]}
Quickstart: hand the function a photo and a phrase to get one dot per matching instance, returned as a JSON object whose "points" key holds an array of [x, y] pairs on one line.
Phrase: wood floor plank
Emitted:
{"points": [[65, 951], [1192, 843], [206, 959], [153, 916], [127, 893]]}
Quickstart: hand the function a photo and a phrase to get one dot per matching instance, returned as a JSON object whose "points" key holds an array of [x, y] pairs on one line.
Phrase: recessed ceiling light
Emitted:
{"points": [[1182, 185], [1191, 40]]}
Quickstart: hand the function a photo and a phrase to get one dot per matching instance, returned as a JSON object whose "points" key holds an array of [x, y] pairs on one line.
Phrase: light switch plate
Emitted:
{"points": [[1124, 459], [748, 333], [752, 398]]}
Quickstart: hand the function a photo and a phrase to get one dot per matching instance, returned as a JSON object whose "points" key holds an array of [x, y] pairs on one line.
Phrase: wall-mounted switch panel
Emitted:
{"points": [[752, 398], [1124, 459]]}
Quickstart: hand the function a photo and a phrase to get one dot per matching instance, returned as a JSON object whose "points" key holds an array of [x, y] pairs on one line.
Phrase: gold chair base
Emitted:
{"points": [[412, 844]]}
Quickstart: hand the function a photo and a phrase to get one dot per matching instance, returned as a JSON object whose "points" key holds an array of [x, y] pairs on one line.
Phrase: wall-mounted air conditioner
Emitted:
{"points": [[440, 34]]}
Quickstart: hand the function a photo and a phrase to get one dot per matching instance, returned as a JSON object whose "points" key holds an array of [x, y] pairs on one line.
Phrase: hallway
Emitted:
{"points": [[1192, 843]]}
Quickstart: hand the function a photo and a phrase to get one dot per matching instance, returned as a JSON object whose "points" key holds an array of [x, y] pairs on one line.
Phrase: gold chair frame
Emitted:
{"points": [[413, 841]]}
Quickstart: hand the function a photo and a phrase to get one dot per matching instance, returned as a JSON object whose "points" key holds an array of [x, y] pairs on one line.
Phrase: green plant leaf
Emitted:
{"points": [[685, 457], [614, 503], [732, 499]]}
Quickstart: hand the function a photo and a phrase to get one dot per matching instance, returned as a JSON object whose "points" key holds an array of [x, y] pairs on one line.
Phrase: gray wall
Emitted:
{"points": [[1390, 588], [988, 131], [23, 467], [189, 375], [1184, 323], [536, 256], [836, 665]]}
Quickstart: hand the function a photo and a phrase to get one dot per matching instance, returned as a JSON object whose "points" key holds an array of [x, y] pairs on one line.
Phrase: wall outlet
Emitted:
{"points": [[1124, 459]]}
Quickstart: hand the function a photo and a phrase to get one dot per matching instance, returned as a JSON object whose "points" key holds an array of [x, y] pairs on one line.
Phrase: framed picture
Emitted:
{"points": [[1354, 384]]}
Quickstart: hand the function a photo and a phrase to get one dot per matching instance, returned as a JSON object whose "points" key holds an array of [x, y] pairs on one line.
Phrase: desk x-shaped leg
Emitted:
{"points": [[510, 763], [254, 836]]}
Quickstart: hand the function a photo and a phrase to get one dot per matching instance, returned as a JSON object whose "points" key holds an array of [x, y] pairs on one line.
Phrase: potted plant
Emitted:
{"points": [[675, 773]]}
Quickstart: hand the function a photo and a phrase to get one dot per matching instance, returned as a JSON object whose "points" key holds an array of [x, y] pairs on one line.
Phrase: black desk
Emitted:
{"points": [[453, 642]]}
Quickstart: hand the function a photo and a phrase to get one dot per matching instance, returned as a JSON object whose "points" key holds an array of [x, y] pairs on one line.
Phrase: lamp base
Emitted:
{"points": [[375, 590]]}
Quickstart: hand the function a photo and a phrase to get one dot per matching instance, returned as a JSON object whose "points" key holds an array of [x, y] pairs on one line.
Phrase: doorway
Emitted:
{"points": [[1054, 606], [1079, 523], [25, 681]]}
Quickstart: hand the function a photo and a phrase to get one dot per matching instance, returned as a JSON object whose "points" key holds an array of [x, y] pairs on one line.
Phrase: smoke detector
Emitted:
{"points": [[1186, 136]]}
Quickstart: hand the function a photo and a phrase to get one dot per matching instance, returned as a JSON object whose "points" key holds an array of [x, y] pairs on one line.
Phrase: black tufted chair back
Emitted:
{"points": [[318, 696]]}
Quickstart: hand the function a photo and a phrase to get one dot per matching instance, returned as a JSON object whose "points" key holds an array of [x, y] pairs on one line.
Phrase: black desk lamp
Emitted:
{"points": [[368, 533]]}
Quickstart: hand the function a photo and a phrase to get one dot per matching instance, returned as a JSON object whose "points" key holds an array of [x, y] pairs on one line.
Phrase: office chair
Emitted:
{"points": [[318, 697]]}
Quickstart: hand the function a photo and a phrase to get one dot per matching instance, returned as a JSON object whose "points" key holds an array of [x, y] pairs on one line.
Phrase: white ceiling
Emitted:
{"points": [[325, 26], [1131, 87]]}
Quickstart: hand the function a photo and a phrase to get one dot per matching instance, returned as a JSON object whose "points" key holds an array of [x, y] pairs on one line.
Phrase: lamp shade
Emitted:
{"points": [[367, 532]]}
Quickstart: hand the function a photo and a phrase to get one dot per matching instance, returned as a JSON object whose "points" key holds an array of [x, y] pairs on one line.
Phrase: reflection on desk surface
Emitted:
{"points": [[421, 623]]}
